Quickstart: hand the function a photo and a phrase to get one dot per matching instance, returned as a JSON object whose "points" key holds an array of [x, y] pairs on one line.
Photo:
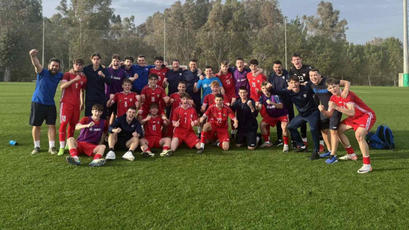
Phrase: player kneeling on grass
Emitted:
{"points": [[361, 118], [246, 111], [153, 126], [217, 124], [272, 111], [184, 118], [124, 134], [89, 142]]}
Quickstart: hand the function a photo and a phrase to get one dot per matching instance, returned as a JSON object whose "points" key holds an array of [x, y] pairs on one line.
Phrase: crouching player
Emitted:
{"points": [[272, 111], [184, 118], [124, 134], [153, 126], [361, 118], [217, 119], [246, 111], [89, 142]]}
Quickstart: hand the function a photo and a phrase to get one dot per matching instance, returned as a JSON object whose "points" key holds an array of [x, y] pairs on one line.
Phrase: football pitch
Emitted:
{"points": [[238, 189]]}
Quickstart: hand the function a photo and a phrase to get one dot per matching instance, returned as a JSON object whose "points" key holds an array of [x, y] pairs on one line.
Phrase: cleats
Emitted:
{"points": [[365, 169], [331, 160], [166, 153], [61, 152], [35, 151], [301, 148], [73, 160], [200, 151], [128, 156], [278, 143], [110, 155], [352, 157], [325, 155], [148, 154], [97, 162], [52, 150], [266, 144], [286, 148]]}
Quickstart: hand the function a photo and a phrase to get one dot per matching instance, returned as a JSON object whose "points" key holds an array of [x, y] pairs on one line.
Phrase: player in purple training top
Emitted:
{"points": [[117, 77], [93, 130]]}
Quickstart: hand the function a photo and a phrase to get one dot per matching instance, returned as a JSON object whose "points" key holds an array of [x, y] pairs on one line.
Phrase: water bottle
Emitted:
{"points": [[13, 142]]}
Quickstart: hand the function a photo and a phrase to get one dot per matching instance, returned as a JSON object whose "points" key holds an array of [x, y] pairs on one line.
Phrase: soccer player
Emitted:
{"points": [[272, 112], [152, 93], [129, 68], [192, 76], [42, 102], [97, 77], [228, 85], [302, 97], [173, 77], [142, 71], [240, 75], [117, 76], [125, 99], [279, 80], [217, 118], [204, 84], [184, 118], [93, 130], [153, 125], [72, 101], [209, 99], [124, 133], [176, 98], [330, 124], [246, 113], [255, 78], [361, 118], [160, 70]]}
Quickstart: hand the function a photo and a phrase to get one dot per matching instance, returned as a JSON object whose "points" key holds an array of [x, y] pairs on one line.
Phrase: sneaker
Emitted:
{"points": [[52, 150], [200, 151], [285, 148], [365, 169], [35, 150], [128, 156], [110, 155], [97, 162], [278, 143], [61, 152], [322, 148], [353, 157], [331, 160], [266, 144], [165, 153], [314, 156], [324, 155], [73, 160], [301, 148], [148, 154]]}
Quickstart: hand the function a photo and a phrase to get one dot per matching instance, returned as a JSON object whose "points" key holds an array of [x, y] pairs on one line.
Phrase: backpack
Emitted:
{"points": [[381, 139]]}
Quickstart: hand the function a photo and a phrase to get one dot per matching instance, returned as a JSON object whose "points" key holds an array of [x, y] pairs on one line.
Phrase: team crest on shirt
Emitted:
{"points": [[305, 95]]}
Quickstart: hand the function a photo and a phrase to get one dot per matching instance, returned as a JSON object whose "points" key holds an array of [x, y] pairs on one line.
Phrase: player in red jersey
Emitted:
{"points": [[153, 124], [361, 118], [124, 99], [72, 101], [93, 131], [210, 98], [217, 118], [255, 80], [175, 98], [227, 80], [184, 118], [152, 93], [160, 70]]}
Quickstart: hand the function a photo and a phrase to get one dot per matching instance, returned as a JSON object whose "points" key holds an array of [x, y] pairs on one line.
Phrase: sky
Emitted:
{"points": [[366, 19]]}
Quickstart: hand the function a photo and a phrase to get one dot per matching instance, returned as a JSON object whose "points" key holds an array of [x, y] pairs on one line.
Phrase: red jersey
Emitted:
{"points": [[124, 101], [153, 95], [161, 74], [209, 99], [71, 94], [177, 100], [184, 116], [228, 85], [219, 117], [255, 84], [360, 107], [153, 127]]}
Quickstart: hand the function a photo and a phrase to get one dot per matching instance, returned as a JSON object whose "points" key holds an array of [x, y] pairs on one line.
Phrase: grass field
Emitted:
{"points": [[238, 189]]}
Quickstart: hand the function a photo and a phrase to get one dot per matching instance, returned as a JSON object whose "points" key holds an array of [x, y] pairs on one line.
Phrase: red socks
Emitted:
{"points": [[350, 150], [366, 160], [73, 152], [97, 156], [285, 140]]}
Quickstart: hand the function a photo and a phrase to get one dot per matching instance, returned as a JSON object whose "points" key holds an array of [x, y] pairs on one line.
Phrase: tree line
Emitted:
{"points": [[209, 31]]}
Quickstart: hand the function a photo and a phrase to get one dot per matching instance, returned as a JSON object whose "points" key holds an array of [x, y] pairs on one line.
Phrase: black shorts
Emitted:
{"points": [[112, 109], [40, 112], [247, 136], [121, 142], [332, 122]]}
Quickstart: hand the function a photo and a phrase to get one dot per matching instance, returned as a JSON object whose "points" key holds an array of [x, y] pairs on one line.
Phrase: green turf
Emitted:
{"points": [[238, 189]]}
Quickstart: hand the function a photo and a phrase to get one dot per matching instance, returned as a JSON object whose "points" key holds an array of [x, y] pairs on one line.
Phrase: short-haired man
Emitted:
{"points": [[227, 80], [192, 76], [42, 102], [124, 133], [92, 134], [246, 113], [72, 101], [174, 76], [117, 77], [160, 70], [204, 84], [142, 71], [125, 99], [210, 98], [255, 79], [153, 93], [361, 118]]}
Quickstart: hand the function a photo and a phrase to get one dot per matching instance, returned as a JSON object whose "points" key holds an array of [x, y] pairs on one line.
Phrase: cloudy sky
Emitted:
{"points": [[366, 18]]}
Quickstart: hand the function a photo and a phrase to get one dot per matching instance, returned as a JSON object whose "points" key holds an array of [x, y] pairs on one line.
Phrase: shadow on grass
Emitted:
{"points": [[388, 169], [390, 155]]}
